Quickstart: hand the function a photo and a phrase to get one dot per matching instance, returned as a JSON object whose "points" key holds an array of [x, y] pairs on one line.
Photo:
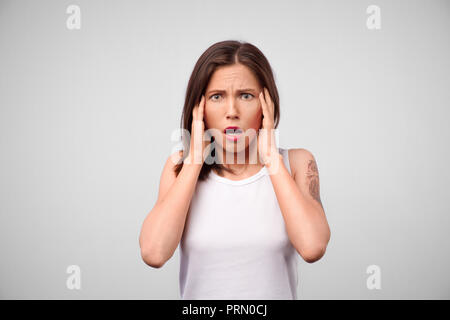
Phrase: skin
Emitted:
{"points": [[228, 104], [297, 192]]}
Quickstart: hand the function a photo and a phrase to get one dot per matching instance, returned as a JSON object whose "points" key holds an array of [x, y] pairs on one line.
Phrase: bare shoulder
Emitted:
{"points": [[305, 172], [172, 160], [168, 175], [300, 160]]}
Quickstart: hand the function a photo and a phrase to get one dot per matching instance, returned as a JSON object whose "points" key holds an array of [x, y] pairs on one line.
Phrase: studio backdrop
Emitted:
{"points": [[92, 91]]}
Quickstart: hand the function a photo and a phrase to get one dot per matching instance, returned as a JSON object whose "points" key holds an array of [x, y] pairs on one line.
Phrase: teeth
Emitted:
{"points": [[232, 131]]}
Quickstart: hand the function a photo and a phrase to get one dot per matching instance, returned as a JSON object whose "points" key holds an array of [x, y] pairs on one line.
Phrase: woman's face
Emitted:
{"points": [[232, 100]]}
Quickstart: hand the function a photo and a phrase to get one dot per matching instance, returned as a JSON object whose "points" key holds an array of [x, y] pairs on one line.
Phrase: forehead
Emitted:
{"points": [[235, 75]]}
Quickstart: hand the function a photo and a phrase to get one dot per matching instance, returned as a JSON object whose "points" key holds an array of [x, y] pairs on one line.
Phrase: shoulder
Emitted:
{"points": [[168, 175], [173, 159], [305, 172], [301, 160]]}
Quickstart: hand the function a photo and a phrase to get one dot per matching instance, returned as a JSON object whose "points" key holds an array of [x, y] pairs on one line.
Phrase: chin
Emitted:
{"points": [[231, 147], [235, 146]]}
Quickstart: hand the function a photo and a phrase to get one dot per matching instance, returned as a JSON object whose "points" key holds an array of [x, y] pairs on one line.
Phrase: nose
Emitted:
{"points": [[232, 111]]}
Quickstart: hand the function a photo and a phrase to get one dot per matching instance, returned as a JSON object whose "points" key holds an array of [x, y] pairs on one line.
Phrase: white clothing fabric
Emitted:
{"points": [[235, 244]]}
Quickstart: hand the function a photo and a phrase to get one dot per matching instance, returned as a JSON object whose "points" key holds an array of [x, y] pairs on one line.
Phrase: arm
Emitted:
{"points": [[300, 204], [163, 227]]}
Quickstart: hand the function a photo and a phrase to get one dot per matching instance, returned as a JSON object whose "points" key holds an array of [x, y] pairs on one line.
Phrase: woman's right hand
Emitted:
{"points": [[199, 149]]}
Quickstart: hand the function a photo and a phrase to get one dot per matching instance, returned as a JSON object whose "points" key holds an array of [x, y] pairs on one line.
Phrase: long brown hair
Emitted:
{"points": [[224, 53]]}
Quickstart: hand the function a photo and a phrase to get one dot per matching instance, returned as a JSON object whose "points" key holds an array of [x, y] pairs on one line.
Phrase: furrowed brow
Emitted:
{"points": [[239, 90]]}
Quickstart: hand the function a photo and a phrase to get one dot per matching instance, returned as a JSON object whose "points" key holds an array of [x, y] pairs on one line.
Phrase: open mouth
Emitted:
{"points": [[233, 133]]}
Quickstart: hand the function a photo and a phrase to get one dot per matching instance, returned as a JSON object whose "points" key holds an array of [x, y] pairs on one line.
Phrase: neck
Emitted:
{"points": [[238, 160]]}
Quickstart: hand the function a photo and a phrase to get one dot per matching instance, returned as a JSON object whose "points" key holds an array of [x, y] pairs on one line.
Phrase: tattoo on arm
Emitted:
{"points": [[313, 181]]}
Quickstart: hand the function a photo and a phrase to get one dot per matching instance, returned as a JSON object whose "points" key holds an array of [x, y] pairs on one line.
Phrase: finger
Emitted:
{"points": [[268, 99], [201, 109], [263, 105], [194, 112]]}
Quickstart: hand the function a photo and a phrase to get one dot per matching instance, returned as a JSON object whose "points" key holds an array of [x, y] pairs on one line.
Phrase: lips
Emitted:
{"points": [[233, 133]]}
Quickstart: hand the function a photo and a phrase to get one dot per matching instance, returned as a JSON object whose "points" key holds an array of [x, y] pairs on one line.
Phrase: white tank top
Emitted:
{"points": [[235, 244]]}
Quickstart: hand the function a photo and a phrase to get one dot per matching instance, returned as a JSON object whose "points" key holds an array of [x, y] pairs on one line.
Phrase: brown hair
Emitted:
{"points": [[224, 53]]}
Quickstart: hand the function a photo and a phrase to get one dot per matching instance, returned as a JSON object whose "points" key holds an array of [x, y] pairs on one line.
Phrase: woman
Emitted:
{"points": [[240, 221]]}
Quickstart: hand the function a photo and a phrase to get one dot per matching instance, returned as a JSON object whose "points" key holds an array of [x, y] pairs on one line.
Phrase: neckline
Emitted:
{"points": [[262, 172]]}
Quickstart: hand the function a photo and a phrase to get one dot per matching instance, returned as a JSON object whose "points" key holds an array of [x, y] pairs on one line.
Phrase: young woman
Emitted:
{"points": [[241, 221]]}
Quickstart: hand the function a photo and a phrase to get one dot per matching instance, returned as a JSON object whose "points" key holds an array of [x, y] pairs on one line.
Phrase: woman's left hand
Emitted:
{"points": [[267, 149]]}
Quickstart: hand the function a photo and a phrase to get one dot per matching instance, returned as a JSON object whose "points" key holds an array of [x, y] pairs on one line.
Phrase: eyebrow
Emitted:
{"points": [[239, 90]]}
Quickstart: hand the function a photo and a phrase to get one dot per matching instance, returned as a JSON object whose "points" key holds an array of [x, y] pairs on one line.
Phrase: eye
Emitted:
{"points": [[214, 96], [248, 96]]}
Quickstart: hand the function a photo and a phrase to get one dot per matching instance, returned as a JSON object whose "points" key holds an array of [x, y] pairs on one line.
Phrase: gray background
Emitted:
{"points": [[86, 117]]}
